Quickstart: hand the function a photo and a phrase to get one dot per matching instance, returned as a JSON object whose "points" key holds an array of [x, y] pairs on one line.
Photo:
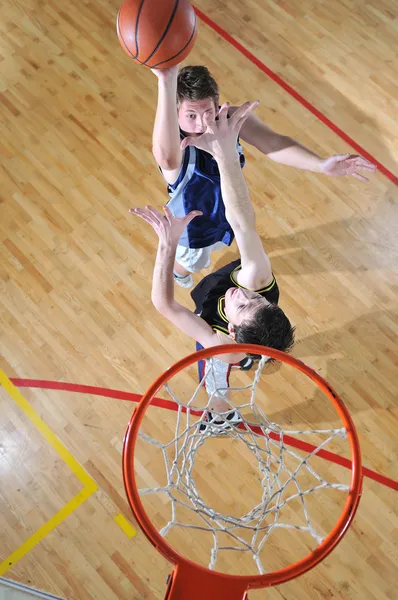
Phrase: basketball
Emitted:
{"points": [[157, 33]]}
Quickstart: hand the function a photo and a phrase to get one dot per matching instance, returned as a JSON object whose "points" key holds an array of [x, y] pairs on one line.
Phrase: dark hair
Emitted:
{"points": [[196, 83], [269, 327]]}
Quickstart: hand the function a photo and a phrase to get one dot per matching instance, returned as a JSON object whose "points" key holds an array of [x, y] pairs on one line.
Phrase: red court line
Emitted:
{"points": [[160, 402], [278, 80]]}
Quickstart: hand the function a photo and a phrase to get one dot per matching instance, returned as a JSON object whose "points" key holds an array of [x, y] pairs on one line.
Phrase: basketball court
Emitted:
{"points": [[81, 341]]}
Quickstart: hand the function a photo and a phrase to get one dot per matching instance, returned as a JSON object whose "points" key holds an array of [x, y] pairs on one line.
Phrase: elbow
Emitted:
{"points": [[159, 305], [244, 226], [162, 306], [166, 160]]}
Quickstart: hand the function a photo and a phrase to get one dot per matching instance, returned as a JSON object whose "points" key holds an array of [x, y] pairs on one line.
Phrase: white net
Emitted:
{"points": [[287, 476]]}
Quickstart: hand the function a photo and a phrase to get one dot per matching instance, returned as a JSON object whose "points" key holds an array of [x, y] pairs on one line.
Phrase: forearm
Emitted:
{"points": [[238, 208], [280, 148], [163, 281], [166, 132], [293, 154], [165, 303]]}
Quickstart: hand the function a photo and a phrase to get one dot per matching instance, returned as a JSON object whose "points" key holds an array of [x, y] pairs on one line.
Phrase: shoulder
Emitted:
{"points": [[221, 339], [255, 277]]}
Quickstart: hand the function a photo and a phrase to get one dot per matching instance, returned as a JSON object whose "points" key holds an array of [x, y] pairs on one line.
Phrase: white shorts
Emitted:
{"points": [[196, 259]]}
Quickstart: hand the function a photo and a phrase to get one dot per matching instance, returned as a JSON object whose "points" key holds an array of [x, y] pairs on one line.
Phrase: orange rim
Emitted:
{"points": [[249, 581]]}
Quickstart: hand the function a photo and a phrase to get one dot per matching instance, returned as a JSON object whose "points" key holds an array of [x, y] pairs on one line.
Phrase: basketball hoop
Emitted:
{"points": [[195, 582]]}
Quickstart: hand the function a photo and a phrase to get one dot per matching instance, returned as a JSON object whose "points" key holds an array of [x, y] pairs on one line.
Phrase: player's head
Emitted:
{"points": [[254, 320], [197, 98]]}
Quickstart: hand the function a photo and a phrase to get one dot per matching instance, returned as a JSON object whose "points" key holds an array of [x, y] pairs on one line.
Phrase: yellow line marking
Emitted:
{"points": [[89, 484], [44, 530], [46, 432], [125, 525]]}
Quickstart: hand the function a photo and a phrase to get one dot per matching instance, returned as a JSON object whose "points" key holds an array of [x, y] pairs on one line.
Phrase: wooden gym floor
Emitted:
{"points": [[76, 120]]}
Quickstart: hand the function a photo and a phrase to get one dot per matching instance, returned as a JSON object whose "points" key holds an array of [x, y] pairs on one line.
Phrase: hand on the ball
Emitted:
{"points": [[347, 164], [221, 134], [169, 73], [167, 227]]}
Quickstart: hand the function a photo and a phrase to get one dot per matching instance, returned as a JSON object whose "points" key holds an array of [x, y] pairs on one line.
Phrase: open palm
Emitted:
{"points": [[347, 164], [168, 227]]}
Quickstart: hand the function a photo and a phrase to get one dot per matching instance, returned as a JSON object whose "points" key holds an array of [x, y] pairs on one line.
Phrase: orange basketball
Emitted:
{"points": [[157, 33]]}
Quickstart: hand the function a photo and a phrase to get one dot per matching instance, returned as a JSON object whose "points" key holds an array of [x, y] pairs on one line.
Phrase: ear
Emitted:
{"points": [[231, 330]]}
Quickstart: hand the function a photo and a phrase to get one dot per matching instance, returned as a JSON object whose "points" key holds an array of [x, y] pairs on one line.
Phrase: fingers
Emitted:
{"points": [[191, 215], [362, 163], [140, 212], [358, 162], [148, 211], [351, 169], [148, 214], [167, 212], [209, 121], [242, 109], [371, 169], [156, 214], [243, 112], [359, 176], [223, 112], [212, 126]]}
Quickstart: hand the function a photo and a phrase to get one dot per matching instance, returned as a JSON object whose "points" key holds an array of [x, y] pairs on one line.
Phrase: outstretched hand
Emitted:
{"points": [[168, 227], [221, 135], [347, 164]]}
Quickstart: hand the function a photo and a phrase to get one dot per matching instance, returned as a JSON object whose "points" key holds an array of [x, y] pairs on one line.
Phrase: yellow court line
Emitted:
{"points": [[89, 484], [125, 525], [45, 529], [46, 432]]}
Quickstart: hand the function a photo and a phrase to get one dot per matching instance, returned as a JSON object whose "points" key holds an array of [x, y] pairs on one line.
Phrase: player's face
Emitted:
{"points": [[192, 115], [241, 305]]}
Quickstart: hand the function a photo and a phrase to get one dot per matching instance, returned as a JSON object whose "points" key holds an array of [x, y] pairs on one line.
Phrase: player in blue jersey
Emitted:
{"points": [[185, 100]]}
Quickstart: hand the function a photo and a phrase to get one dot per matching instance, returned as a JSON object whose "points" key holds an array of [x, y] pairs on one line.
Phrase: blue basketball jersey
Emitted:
{"points": [[198, 188]]}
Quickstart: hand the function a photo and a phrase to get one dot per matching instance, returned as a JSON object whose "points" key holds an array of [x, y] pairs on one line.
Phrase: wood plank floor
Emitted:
{"points": [[76, 119]]}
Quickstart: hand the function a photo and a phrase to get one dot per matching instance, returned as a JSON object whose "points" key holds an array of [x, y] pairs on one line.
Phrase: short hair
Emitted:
{"points": [[268, 327], [196, 83]]}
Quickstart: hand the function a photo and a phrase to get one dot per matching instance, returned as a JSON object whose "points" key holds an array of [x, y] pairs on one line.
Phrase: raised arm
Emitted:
{"points": [[166, 133], [169, 230], [220, 141], [287, 151]]}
